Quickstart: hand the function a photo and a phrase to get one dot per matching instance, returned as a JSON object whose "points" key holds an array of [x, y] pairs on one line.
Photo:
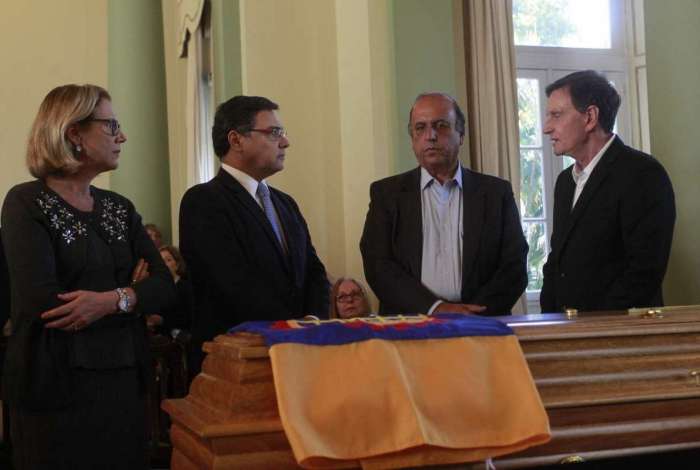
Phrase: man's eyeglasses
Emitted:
{"points": [[113, 125], [347, 298], [273, 133]]}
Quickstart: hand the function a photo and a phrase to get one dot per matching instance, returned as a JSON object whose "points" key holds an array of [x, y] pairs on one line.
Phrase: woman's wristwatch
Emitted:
{"points": [[124, 303]]}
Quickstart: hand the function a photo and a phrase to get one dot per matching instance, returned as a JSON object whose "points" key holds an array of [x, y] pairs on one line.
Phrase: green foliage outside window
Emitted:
{"points": [[535, 234], [541, 22], [531, 179]]}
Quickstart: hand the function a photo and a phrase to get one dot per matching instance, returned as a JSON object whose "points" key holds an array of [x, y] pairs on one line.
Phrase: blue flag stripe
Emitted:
{"points": [[444, 325]]}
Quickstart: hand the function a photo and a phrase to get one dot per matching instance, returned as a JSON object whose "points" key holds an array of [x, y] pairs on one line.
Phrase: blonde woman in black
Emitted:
{"points": [[77, 358]]}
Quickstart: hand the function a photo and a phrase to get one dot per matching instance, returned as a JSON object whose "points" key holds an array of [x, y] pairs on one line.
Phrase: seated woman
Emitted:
{"points": [[348, 299], [179, 316], [77, 359], [155, 234]]}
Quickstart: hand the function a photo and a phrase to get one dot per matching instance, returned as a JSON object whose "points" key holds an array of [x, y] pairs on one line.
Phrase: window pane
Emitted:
{"points": [[562, 23], [531, 183], [612, 82], [535, 233], [568, 161], [529, 112]]}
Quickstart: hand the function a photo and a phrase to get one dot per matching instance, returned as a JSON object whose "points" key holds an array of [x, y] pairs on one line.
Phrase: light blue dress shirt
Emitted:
{"points": [[441, 205]]}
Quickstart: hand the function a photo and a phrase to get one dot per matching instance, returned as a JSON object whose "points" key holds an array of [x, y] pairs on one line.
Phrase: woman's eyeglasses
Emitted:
{"points": [[112, 125], [347, 298]]}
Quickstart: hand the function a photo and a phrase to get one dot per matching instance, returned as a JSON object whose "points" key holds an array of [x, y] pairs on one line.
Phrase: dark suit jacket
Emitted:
{"points": [[493, 255], [611, 251], [238, 271], [4, 288]]}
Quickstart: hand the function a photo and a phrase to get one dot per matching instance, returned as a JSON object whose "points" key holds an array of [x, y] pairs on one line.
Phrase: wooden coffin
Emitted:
{"points": [[613, 384]]}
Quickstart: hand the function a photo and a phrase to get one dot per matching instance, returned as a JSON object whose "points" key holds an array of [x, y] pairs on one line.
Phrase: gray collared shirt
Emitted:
{"points": [[441, 269]]}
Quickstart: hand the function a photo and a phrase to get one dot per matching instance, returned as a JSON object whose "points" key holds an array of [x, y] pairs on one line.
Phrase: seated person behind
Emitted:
{"points": [[155, 234], [179, 316], [348, 299]]}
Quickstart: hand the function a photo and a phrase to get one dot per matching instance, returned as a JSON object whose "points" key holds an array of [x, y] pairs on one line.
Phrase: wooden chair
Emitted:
{"points": [[169, 380]]}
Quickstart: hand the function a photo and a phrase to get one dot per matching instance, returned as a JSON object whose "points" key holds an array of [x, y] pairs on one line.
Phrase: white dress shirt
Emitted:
{"points": [[251, 186], [248, 182], [581, 177]]}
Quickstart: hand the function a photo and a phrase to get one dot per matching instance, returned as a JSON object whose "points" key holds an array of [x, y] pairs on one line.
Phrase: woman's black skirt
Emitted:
{"points": [[105, 428]]}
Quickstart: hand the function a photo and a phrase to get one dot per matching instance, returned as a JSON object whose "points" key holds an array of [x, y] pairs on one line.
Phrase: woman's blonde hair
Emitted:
{"points": [[49, 152], [333, 312]]}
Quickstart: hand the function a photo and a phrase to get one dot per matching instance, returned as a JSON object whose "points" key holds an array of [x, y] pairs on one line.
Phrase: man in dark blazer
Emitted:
{"points": [[441, 238], [4, 289], [246, 244], [614, 209]]}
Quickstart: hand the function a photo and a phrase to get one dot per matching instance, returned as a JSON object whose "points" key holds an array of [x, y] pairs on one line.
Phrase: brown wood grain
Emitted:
{"points": [[613, 384]]}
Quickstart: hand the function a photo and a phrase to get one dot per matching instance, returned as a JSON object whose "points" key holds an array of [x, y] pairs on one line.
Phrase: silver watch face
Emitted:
{"points": [[123, 303]]}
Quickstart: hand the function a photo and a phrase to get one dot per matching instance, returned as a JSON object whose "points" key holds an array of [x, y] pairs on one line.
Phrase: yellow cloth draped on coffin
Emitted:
{"points": [[391, 404]]}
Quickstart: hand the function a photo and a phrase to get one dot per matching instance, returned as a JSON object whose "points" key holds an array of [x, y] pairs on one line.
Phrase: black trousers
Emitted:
{"points": [[105, 428]]}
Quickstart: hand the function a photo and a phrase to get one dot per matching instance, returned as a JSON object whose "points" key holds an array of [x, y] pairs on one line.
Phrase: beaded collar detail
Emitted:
{"points": [[60, 218], [112, 218]]}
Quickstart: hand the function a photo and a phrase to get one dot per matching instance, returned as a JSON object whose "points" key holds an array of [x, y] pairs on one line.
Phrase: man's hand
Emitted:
{"points": [[464, 309], [140, 272], [82, 307]]}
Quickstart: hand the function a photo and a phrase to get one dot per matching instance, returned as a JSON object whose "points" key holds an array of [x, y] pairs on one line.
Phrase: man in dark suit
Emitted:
{"points": [[441, 238], [4, 289], [614, 208], [246, 244]]}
